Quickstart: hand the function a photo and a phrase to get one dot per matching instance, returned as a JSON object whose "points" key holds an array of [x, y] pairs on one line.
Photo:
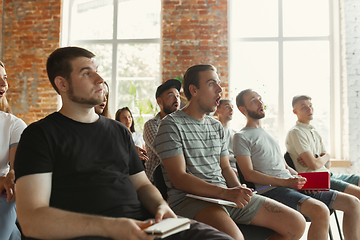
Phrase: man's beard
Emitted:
{"points": [[87, 101], [255, 114], [169, 108]]}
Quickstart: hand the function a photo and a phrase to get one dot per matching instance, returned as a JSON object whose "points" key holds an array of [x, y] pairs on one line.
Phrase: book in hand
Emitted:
{"points": [[167, 227], [229, 203], [318, 181]]}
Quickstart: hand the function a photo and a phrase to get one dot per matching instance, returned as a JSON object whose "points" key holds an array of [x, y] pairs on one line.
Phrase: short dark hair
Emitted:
{"points": [[191, 77], [240, 97], [58, 63], [223, 101], [299, 98], [117, 117]]}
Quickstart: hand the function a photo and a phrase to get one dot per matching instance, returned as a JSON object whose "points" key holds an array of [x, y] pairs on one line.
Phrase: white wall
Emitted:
{"points": [[351, 10]]}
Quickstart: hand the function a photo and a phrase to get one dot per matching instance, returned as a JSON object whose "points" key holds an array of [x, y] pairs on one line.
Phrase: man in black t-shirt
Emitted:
{"points": [[78, 174]]}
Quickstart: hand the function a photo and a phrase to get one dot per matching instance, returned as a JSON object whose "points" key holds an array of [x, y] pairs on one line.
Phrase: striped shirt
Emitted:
{"points": [[200, 141]]}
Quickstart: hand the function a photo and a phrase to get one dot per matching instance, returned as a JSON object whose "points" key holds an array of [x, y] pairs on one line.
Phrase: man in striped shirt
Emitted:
{"points": [[193, 150], [168, 97]]}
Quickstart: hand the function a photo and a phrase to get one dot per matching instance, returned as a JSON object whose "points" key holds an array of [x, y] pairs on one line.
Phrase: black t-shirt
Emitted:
{"points": [[90, 165]]}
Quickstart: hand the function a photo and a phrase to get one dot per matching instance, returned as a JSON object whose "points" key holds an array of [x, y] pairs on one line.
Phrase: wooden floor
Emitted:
{"points": [[333, 225]]}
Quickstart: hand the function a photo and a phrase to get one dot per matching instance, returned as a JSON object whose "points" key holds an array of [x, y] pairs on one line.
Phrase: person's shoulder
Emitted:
{"points": [[177, 116], [153, 121], [11, 119]]}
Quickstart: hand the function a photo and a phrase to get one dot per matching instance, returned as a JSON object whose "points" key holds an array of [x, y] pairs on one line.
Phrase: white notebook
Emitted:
{"points": [[213, 200], [167, 227]]}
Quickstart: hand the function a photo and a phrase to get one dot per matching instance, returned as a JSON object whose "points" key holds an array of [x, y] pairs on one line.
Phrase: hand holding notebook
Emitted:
{"points": [[167, 227], [318, 181]]}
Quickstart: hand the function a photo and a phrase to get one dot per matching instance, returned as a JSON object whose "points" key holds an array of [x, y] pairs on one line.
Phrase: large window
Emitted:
{"points": [[125, 36], [282, 48]]}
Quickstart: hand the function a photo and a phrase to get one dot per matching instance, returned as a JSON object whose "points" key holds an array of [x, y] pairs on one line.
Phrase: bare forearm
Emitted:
{"points": [[52, 223], [150, 198], [230, 177], [261, 178], [194, 185]]}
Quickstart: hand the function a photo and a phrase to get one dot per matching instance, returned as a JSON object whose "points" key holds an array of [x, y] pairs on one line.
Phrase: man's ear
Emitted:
{"points": [[243, 110], [159, 101], [61, 83], [294, 111], [192, 90]]}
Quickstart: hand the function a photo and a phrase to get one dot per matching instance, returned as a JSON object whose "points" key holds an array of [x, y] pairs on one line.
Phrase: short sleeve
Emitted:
{"points": [[33, 154], [16, 130], [167, 142], [298, 141], [241, 147]]}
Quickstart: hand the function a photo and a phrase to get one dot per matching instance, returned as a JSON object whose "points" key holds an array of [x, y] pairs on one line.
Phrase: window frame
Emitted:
{"points": [[114, 42], [336, 93]]}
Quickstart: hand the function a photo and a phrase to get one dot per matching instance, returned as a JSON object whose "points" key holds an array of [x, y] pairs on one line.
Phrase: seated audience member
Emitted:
{"points": [[103, 108], [224, 112], [168, 97], [306, 148], [258, 155], [78, 173], [192, 148], [11, 128], [124, 116]]}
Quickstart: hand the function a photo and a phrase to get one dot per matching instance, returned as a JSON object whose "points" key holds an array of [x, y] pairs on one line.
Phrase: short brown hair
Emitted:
{"points": [[58, 63], [299, 98], [240, 97], [191, 77]]}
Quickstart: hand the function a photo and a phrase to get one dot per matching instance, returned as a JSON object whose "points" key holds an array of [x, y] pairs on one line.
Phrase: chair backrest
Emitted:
{"points": [[289, 161], [242, 179], [159, 182]]}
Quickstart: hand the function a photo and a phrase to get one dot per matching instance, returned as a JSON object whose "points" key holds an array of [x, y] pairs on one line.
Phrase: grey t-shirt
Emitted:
{"points": [[264, 151], [200, 141]]}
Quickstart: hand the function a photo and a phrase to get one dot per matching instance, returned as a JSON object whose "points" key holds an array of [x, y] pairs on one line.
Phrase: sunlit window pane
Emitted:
{"points": [[255, 66], [139, 95], [255, 18], [139, 19], [303, 18], [139, 60], [103, 58], [306, 72], [92, 19]]}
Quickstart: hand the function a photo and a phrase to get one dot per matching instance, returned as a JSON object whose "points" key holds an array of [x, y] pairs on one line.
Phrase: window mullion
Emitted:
{"points": [[281, 120]]}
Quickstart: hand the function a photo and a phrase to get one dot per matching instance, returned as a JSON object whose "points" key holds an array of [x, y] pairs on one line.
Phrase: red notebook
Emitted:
{"points": [[316, 181]]}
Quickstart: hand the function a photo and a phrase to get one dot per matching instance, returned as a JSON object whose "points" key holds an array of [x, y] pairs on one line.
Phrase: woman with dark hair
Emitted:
{"points": [[124, 116], [103, 108], [11, 128]]}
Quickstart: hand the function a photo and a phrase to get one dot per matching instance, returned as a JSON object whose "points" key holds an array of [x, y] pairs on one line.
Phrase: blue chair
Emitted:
{"points": [[250, 232]]}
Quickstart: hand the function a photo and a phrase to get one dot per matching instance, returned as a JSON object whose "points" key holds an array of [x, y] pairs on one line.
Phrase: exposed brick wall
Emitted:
{"points": [[31, 31], [1, 33], [352, 29], [194, 32]]}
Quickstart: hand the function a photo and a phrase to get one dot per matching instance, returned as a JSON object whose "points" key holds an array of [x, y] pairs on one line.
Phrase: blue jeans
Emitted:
{"points": [[294, 199], [8, 228]]}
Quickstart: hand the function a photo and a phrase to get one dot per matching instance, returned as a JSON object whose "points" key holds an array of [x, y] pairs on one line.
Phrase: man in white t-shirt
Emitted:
{"points": [[306, 148]]}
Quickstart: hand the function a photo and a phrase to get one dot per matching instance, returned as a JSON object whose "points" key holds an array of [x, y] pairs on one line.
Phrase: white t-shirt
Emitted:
{"points": [[138, 139], [304, 138], [11, 128]]}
